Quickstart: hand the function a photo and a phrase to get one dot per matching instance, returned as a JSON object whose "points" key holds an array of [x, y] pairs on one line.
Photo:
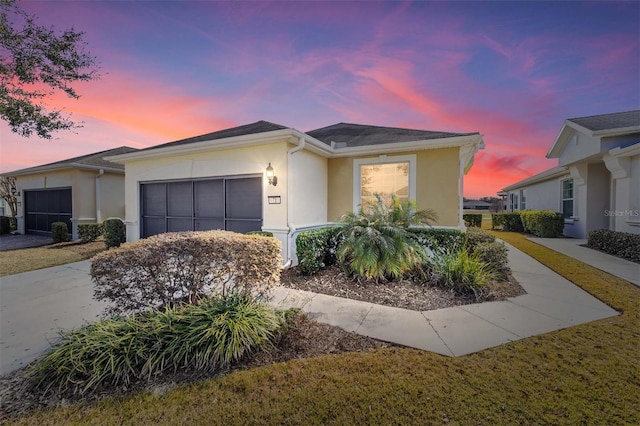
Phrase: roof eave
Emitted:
{"points": [[452, 142], [615, 132], [540, 177]]}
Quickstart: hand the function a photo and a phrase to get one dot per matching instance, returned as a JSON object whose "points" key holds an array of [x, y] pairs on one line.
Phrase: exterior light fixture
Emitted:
{"points": [[271, 175], [14, 191]]}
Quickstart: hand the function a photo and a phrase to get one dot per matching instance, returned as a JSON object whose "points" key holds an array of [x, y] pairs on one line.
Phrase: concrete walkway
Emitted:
{"points": [[571, 247], [35, 305], [552, 303]]}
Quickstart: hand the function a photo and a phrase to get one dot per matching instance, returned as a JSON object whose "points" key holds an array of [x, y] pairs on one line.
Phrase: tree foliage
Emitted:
{"points": [[35, 63], [6, 183]]}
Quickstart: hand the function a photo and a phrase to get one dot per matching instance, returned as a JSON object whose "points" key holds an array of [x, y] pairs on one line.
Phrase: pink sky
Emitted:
{"points": [[511, 71]]}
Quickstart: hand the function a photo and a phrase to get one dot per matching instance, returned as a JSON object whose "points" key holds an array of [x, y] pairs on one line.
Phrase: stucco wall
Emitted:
{"points": [[625, 209], [598, 183], [436, 184], [308, 189], [111, 196], [579, 147], [543, 195]]}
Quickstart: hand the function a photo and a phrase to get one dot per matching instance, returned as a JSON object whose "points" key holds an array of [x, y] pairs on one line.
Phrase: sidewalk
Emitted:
{"points": [[571, 247], [552, 303]]}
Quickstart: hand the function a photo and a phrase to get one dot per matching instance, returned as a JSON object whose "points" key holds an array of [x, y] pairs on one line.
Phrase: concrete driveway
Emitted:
{"points": [[35, 305]]}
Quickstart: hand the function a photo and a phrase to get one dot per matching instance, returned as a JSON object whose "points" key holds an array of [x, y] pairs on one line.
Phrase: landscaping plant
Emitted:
{"points": [[208, 336], [59, 232], [114, 232], [89, 232], [460, 271], [377, 244]]}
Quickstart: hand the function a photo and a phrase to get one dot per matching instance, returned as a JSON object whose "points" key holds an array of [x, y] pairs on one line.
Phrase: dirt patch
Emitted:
{"points": [[303, 338], [400, 294]]}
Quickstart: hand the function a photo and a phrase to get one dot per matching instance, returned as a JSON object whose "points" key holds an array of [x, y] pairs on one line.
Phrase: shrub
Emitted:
{"points": [[13, 223], [89, 232], [432, 238], [475, 236], [507, 222], [460, 271], [317, 248], [474, 219], [261, 233], [182, 267], [59, 232], [208, 336], [495, 256], [621, 244], [115, 232], [5, 225], [376, 240], [542, 223]]}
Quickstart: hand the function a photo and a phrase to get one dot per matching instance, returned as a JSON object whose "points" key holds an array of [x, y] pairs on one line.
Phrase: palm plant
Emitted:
{"points": [[376, 240]]}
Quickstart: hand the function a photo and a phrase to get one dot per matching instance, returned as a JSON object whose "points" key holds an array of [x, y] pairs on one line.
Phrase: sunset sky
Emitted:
{"points": [[513, 71]]}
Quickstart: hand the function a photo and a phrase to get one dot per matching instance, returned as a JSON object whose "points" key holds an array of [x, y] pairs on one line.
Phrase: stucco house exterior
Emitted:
{"points": [[221, 180], [596, 184], [85, 189]]}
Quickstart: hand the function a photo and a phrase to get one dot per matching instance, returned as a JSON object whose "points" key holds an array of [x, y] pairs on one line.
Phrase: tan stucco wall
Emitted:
{"points": [[308, 189], [436, 184]]}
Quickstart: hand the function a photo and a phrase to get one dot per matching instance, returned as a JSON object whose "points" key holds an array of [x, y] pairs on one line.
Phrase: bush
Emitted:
{"points": [[5, 225], [89, 232], [317, 248], [182, 267], [620, 244], [495, 256], [475, 236], [376, 239], [261, 233], [115, 232], [204, 337], [460, 271], [474, 219], [507, 222], [59, 232], [433, 238], [542, 223]]}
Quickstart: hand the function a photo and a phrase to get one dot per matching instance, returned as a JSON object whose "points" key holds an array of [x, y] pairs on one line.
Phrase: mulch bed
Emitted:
{"points": [[400, 294]]}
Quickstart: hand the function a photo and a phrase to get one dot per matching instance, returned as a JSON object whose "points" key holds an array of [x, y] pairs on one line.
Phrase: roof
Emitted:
{"points": [[617, 120], [93, 161], [470, 203], [349, 135], [540, 177], [247, 129]]}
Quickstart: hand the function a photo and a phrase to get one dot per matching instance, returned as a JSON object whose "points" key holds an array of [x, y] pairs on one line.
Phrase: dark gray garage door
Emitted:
{"points": [[45, 206], [232, 204]]}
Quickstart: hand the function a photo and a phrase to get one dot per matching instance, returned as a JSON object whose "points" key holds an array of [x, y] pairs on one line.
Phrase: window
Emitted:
{"points": [[514, 202], [523, 199], [385, 176], [567, 198]]}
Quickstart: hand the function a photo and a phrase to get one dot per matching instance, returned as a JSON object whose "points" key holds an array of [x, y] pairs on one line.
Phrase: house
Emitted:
{"points": [[85, 189], [596, 184], [265, 176], [476, 205]]}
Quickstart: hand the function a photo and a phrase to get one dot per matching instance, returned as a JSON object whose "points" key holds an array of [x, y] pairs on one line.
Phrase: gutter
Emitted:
{"points": [[292, 228], [98, 196]]}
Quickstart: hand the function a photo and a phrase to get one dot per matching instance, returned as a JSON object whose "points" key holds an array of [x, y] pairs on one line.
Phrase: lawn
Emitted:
{"points": [[588, 374], [24, 260]]}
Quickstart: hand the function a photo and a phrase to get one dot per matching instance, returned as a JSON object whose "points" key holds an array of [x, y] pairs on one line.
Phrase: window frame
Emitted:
{"points": [[383, 159], [572, 198], [523, 199]]}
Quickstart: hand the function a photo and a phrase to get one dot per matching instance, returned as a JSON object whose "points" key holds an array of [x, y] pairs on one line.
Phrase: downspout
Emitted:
{"points": [[98, 197], [461, 194], [290, 224]]}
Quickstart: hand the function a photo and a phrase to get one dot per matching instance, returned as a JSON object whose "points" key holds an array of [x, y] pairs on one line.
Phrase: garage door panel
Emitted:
{"points": [[179, 225], [209, 199], [43, 207], [244, 198], [153, 226], [208, 224], [244, 226], [154, 199], [180, 199]]}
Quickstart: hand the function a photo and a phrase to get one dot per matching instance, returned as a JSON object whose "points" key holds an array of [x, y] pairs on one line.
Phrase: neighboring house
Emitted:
{"points": [[220, 180], [476, 205], [597, 182], [86, 189]]}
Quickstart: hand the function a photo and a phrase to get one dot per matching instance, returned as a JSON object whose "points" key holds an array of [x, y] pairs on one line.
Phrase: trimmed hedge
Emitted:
{"points": [[261, 233], [88, 232], [510, 222], [433, 238], [542, 223], [59, 232], [474, 219], [317, 248], [620, 244], [182, 267], [5, 225], [115, 232]]}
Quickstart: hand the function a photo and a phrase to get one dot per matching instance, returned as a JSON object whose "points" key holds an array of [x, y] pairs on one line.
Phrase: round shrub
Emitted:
{"points": [[88, 232], [115, 232], [59, 232]]}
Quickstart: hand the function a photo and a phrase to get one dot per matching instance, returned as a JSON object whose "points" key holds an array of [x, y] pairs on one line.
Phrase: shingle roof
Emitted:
{"points": [[616, 120], [247, 129], [95, 159], [354, 135]]}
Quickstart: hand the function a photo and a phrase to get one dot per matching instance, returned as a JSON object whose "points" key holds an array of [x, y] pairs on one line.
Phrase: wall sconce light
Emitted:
{"points": [[271, 175], [14, 191]]}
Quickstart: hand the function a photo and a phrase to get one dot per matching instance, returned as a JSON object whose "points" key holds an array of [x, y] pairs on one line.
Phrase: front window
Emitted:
{"points": [[523, 199], [567, 198], [384, 176]]}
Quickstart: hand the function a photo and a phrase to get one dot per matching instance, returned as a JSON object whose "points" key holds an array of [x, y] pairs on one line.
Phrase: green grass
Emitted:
{"points": [[588, 374]]}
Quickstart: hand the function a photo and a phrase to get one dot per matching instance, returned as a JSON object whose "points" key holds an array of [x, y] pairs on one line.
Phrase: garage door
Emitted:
{"points": [[232, 204], [46, 206]]}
